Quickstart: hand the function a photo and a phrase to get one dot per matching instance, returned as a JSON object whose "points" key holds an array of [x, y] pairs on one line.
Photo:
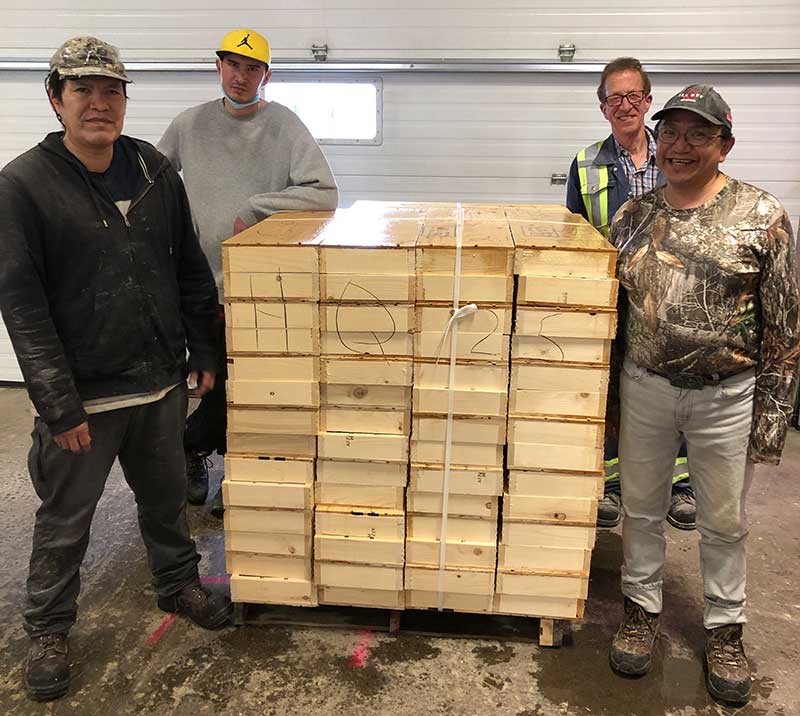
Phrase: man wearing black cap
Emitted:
{"points": [[103, 288], [709, 322]]}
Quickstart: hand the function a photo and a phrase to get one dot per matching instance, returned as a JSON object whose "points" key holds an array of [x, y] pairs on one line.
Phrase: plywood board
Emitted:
{"points": [[279, 421], [259, 521], [275, 368], [476, 430], [559, 509], [280, 543], [577, 433], [360, 495], [274, 285], [550, 559], [268, 565], [366, 395], [472, 289], [579, 236], [484, 507], [544, 377], [547, 607], [559, 349], [354, 576], [466, 401], [577, 264], [469, 376], [271, 259], [273, 393], [469, 346], [275, 495], [359, 550], [363, 446], [380, 261], [474, 261], [459, 581], [273, 590], [532, 456], [460, 453], [375, 318], [345, 472], [255, 469], [359, 420], [269, 444], [555, 322], [459, 529], [548, 535], [565, 291], [457, 554], [486, 320], [555, 484], [276, 314], [463, 481], [358, 371], [367, 343], [472, 603], [273, 340], [370, 524], [375, 598], [542, 586], [363, 288]]}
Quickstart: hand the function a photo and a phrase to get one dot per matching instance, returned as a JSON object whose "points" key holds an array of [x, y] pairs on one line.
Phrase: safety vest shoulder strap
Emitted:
{"points": [[594, 186]]}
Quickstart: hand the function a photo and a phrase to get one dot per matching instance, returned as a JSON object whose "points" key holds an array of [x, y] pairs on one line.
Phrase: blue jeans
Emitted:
{"points": [[715, 422]]}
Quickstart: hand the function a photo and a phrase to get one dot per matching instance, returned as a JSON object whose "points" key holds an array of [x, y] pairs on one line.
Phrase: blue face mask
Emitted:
{"points": [[241, 105]]}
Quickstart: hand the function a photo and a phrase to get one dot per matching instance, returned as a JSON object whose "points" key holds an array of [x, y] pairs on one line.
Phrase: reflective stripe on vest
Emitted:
{"points": [[594, 187]]}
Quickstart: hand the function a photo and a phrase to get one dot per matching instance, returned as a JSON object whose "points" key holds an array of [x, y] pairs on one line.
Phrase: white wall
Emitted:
{"points": [[467, 136]]}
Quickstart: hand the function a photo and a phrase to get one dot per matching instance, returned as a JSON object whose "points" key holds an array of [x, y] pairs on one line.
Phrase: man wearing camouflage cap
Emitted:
{"points": [[709, 323], [103, 288], [242, 159]]}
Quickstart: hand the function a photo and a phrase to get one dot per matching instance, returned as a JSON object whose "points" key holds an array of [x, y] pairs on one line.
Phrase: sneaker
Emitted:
{"points": [[47, 667], [727, 670], [632, 648], [682, 510], [204, 608], [217, 505], [609, 510], [197, 478]]}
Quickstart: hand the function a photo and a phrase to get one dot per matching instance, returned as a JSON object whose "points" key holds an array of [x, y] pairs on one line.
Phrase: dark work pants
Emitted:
{"points": [[207, 426], [148, 441]]}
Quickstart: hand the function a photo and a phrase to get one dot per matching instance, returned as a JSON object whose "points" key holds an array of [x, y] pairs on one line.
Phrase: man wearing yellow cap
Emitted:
{"points": [[242, 159]]}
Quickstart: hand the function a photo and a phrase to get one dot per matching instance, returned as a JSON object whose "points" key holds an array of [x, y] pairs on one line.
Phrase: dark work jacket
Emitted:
{"points": [[96, 304]]}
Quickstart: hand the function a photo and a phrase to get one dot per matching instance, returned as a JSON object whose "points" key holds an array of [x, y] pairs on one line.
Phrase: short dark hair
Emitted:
{"points": [[622, 64], [54, 84]]}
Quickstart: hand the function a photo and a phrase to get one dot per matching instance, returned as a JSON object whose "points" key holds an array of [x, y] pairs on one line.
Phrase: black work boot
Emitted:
{"points": [[632, 648], [196, 478], [47, 667], [609, 510], [217, 505], [204, 608], [727, 670], [682, 509]]}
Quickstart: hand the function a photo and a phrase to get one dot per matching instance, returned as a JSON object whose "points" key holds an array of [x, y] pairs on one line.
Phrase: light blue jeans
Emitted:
{"points": [[715, 421]]}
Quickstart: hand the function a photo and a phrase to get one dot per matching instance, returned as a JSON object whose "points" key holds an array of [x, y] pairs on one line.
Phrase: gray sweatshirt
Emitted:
{"points": [[248, 167]]}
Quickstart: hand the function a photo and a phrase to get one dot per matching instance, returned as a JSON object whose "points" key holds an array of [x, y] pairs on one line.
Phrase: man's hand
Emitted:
{"points": [[77, 440], [200, 383], [238, 225]]}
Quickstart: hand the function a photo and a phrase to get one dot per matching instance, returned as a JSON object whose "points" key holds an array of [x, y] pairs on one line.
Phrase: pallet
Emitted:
{"points": [[422, 622]]}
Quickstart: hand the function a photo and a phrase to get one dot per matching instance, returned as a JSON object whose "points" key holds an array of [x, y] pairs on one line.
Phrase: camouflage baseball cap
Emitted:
{"points": [[704, 101], [87, 56]]}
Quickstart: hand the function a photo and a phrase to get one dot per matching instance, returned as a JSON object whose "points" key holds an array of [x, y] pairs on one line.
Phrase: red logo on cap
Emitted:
{"points": [[690, 95], [729, 117]]}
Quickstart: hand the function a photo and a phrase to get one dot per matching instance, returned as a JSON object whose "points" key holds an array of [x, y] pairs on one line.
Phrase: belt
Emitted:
{"points": [[692, 381]]}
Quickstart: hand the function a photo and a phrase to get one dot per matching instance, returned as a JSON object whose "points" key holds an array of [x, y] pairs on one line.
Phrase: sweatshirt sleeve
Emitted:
{"points": [[26, 312], [169, 145], [780, 344], [198, 292], [311, 183]]}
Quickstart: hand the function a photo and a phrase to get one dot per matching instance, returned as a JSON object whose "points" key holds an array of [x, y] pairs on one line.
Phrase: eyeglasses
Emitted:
{"points": [[634, 98], [694, 137]]}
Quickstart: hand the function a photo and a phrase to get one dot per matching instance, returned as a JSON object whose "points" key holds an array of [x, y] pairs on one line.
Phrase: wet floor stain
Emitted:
{"points": [[405, 648], [491, 654]]}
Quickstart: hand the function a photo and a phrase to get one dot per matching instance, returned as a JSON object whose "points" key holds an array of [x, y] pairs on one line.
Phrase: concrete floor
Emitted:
{"points": [[287, 671]]}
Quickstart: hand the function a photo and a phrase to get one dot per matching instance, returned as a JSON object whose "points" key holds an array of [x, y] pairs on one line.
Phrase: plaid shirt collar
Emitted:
{"points": [[641, 179]]}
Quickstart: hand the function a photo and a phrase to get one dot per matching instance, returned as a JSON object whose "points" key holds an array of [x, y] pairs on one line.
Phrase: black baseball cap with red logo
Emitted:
{"points": [[703, 100]]}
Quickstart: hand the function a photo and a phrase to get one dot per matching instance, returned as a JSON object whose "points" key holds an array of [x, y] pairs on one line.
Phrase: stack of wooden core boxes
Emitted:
{"points": [[565, 320], [273, 341], [367, 291], [464, 257]]}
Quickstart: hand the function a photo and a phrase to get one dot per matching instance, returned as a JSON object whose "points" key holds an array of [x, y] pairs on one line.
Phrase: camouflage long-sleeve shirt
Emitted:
{"points": [[713, 290]]}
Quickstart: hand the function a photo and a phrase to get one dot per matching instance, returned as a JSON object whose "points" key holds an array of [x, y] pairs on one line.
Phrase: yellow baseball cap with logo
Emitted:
{"points": [[245, 42]]}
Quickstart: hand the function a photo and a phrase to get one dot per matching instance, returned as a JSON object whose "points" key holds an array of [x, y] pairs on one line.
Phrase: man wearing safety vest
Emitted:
{"points": [[602, 177], [242, 159]]}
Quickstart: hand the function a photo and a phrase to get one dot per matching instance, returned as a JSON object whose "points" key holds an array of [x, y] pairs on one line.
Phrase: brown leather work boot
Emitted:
{"points": [[727, 670], [632, 648]]}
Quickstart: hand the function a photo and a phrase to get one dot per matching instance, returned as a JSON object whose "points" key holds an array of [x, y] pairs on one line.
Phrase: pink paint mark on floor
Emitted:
{"points": [[218, 579], [155, 637], [362, 650]]}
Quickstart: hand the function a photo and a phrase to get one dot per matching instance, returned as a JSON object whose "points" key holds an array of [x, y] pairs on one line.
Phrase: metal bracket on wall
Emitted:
{"points": [[558, 179], [320, 52], [566, 52]]}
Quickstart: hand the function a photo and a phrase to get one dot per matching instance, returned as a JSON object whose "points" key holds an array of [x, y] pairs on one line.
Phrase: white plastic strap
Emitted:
{"points": [[452, 327]]}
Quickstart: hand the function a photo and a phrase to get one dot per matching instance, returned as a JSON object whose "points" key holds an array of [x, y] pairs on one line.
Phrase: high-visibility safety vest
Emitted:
{"points": [[594, 187]]}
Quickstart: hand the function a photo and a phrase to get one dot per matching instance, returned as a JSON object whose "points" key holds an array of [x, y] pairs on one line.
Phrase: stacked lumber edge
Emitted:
{"points": [[384, 453]]}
